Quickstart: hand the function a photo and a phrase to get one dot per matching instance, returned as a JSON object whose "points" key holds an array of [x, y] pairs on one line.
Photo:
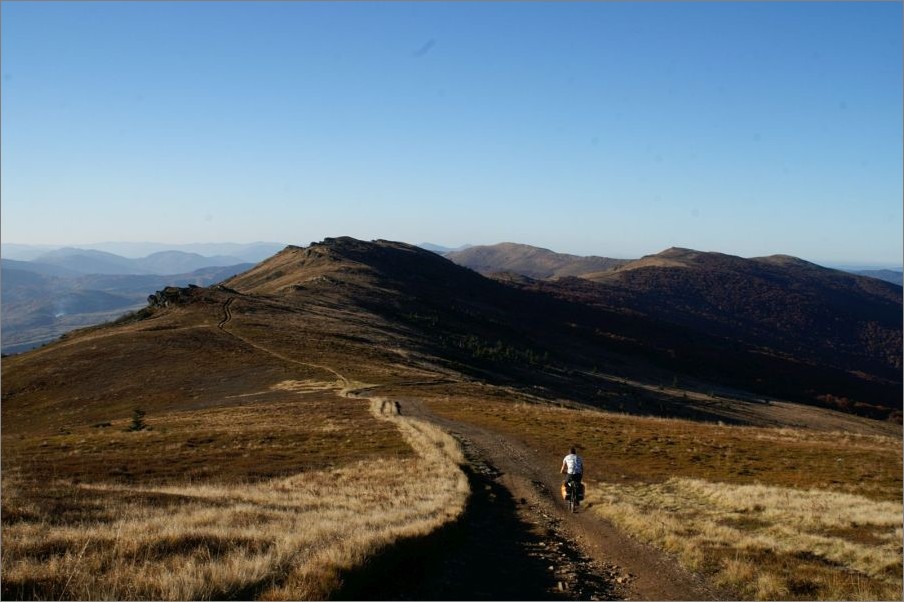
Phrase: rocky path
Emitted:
{"points": [[585, 557], [502, 548], [515, 540]]}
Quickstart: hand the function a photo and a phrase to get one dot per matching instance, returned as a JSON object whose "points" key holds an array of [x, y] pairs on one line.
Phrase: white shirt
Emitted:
{"points": [[574, 464]]}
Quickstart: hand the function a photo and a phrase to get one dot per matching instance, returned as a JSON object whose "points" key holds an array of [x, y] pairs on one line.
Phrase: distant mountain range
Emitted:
{"points": [[71, 288], [783, 304], [539, 263], [761, 329], [533, 262], [893, 276], [247, 253], [776, 325], [441, 249], [774, 307], [87, 261]]}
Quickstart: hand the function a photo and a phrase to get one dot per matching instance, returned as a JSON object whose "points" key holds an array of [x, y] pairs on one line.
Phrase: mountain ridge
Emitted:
{"points": [[893, 276], [367, 302], [37, 308], [87, 261], [248, 252], [490, 259], [346, 262], [527, 260]]}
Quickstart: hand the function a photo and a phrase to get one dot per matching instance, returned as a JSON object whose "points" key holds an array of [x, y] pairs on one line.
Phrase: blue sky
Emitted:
{"points": [[615, 129]]}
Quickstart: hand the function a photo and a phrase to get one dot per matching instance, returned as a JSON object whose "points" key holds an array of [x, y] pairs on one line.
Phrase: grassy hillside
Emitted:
{"points": [[250, 473], [533, 262], [266, 460], [822, 336], [774, 513]]}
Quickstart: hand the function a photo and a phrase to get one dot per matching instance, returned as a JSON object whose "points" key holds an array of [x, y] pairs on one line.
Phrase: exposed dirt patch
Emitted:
{"points": [[621, 567], [502, 548]]}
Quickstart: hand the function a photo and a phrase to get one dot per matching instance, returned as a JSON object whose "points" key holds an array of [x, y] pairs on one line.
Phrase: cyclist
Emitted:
{"points": [[572, 467]]}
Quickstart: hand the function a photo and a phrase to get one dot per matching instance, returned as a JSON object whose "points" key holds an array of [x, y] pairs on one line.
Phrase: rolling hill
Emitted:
{"points": [[262, 433], [526, 260], [246, 252], [39, 306], [781, 303], [36, 267], [774, 327], [88, 261], [797, 322], [893, 276]]}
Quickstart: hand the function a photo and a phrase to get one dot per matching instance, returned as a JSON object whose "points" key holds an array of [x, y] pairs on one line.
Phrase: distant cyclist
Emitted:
{"points": [[573, 467]]}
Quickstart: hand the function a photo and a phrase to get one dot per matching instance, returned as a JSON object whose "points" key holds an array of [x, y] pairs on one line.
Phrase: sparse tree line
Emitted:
{"points": [[496, 351], [430, 319], [849, 405]]}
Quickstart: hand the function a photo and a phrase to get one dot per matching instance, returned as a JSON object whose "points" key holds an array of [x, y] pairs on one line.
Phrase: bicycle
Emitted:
{"points": [[573, 495]]}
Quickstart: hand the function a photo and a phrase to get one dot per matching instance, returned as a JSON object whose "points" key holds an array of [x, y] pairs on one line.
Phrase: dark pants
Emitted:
{"points": [[574, 478]]}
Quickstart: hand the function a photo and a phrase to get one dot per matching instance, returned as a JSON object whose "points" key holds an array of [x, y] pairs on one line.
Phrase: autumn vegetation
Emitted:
{"points": [[770, 513], [218, 534], [235, 443]]}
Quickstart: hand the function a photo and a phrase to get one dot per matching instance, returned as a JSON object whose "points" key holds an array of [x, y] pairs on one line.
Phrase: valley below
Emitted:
{"points": [[357, 420]]}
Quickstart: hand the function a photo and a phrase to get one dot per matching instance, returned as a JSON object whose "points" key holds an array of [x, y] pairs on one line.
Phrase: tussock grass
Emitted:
{"points": [[768, 542], [289, 428], [279, 538], [627, 449], [776, 513]]}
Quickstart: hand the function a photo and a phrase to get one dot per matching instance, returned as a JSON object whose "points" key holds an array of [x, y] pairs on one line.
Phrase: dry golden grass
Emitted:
{"points": [[244, 488], [259, 475], [770, 542], [775, 513], [279, 538], [623, 448], [276, 432]]}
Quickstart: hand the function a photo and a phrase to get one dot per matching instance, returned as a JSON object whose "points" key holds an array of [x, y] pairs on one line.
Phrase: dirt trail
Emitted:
{"points": [[639, 571], [515, 540], [227, 313], [227, 317], [497, 550]]}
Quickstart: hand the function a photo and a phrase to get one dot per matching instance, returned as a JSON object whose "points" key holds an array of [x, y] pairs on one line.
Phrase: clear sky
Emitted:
{"points": [[615, 129]]}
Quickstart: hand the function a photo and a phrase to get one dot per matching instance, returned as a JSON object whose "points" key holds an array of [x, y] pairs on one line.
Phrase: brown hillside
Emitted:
{"points": [[782, 303], [385, 310], [821, 320], [530, 261], [285, 412]]}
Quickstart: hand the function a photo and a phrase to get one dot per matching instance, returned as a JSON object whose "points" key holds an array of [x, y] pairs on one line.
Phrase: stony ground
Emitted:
{"points": [[517, 540]]}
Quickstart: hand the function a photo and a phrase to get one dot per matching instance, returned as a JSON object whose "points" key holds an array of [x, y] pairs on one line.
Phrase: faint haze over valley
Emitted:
{"points": [[48, 291]]}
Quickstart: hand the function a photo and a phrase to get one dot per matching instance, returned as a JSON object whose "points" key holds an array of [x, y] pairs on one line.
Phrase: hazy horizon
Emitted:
{"points": [[838, 264], [614, 129]]}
